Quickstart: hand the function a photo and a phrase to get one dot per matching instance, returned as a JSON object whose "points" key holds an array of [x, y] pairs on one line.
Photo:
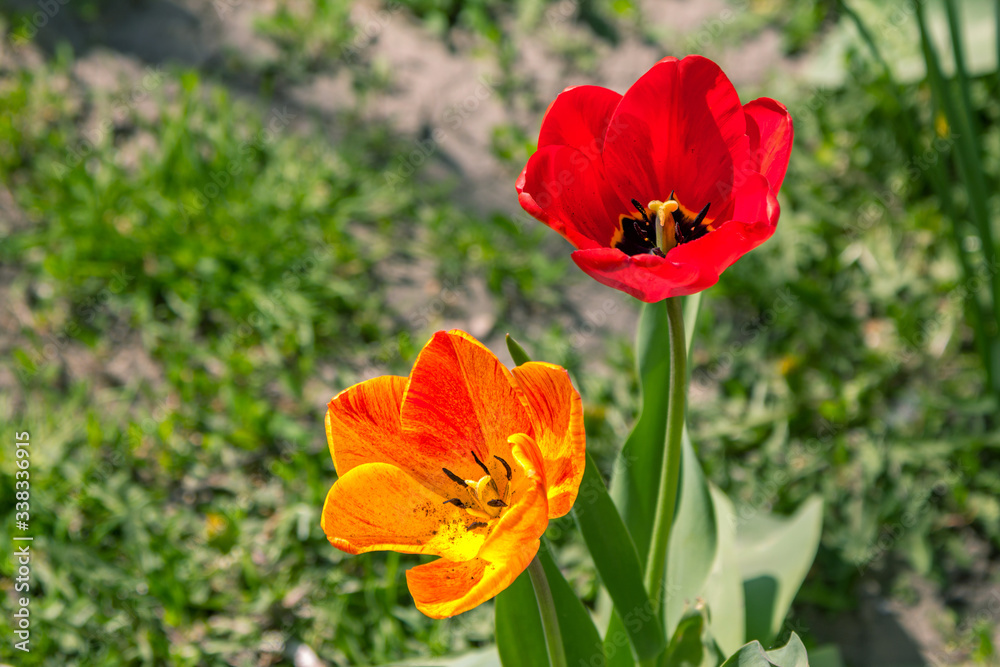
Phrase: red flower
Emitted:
{"points": [[665, 187]]}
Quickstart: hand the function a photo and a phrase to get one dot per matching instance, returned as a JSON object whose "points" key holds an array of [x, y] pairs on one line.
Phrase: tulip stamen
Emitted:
{"points": [[496, 502], [480, 463], [456, 502], [476, 524], [506, 467], [455, 478], [660, 226]]}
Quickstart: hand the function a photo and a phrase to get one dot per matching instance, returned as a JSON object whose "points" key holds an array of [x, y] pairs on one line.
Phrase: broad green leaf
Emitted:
{"points": [[519, 634], [793, 654], [635, 479], [517, 352], [693, 541], [692, 645], [616, 643], [580, 637], [617, 562], [775, 554], [724, 585], [827, 655]]}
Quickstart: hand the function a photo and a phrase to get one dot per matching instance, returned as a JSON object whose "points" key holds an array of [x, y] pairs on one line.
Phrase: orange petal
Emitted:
{"points": [[377, 507], [444, 588], [557, 418], [362, 423], [528, 516], [460, 399]]}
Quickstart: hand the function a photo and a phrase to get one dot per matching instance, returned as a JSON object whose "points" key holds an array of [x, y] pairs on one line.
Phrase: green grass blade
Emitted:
{"points": [[971, 171]]}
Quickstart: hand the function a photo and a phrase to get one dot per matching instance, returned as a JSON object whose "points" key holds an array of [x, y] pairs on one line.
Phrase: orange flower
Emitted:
{"points": [[464, 459]]}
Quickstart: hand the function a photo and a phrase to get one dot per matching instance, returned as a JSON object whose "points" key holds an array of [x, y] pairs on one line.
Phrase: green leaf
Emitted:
{"points": [[519, 634], [793, 654], [693, 540], [616, 643], [581, 640], [637, 470], [692, 645], [775, 554], [617, 562], [636, 477], [724, 585], [517, 352]]}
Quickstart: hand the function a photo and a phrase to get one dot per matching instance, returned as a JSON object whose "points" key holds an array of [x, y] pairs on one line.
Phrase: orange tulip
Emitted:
{"points": [[465, 460]]}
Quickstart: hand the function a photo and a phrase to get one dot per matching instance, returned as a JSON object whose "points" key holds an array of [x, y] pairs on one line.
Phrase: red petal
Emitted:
{"points": [[695, 266], [578, 118], [570, 194], [769, 128], [646, 277], [679, 128], [755, 217]]}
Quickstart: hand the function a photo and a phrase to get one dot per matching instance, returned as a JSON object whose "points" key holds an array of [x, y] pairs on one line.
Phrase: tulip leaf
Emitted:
{"points": [[519, 633], [723, 590], [616, 643], [580, 637], [692, 645], [636, 476], [617, 563], [775, 554], [693, 540], [517, 352], [793, 654]]}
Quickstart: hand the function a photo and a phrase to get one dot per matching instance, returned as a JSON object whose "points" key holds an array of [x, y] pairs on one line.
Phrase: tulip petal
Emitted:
{"points": [[557, 418], [646, 277], [460, 400], [755, 217], [378, 507], [680, 128], [444, 588], [578, 118], [569, 193], [362, 423], [769, 128]]}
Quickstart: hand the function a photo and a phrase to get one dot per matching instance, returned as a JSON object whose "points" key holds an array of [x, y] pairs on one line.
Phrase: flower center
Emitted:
{"points": [[665, 225], [482, 498]]}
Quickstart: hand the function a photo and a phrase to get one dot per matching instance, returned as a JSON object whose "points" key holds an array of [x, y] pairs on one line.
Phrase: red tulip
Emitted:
{"points": [[665, 187]]}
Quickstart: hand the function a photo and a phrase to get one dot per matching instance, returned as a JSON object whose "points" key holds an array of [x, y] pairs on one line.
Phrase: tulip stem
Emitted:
{"points": [[666, 501], [547, 609]]}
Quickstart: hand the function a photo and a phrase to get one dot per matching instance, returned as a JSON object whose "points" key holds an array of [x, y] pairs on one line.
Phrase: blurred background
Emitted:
{"points": [[216, 214]]}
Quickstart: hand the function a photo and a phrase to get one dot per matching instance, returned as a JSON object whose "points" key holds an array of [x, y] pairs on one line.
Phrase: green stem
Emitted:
{"points": [[666, 501], [547, 609]]}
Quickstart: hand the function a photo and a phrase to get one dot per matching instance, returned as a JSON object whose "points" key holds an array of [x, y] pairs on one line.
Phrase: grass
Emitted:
{"points": [[202, 271]]}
